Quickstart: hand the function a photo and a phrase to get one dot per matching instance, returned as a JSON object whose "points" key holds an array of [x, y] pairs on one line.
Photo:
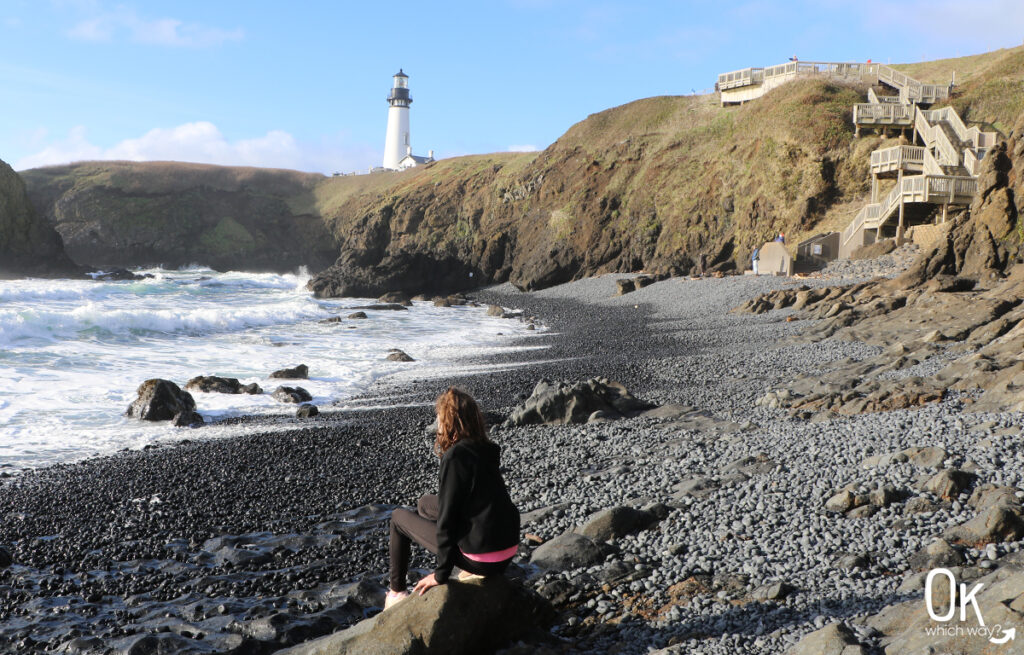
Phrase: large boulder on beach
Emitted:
{"points": [[163, 400], [457, 618], [214, 384], [558, 403], [300, 372], [568, 551], [616, 522]]}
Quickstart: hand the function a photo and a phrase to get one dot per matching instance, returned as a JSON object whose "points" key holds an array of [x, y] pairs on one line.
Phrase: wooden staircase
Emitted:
{"points": [[937, 171]]}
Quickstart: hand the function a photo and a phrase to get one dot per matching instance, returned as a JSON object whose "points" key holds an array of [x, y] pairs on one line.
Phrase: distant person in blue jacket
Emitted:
{"points": [[781, 238], [754, 257]]}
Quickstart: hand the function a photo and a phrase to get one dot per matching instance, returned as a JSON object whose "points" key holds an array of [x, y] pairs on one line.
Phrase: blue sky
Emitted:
{"points": [[302, 85]]}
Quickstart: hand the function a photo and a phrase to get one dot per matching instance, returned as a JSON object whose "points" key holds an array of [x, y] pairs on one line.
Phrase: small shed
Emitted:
{"points": [[818, 251], [774, 259]]}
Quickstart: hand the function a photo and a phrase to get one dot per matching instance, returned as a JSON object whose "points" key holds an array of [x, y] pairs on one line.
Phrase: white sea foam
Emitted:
{"points": [[73, 352]]}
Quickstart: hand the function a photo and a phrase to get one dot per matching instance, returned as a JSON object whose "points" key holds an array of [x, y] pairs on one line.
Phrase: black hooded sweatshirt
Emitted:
{"points": [[475, 513]]}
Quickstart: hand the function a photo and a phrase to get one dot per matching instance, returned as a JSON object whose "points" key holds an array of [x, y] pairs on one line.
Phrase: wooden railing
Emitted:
{"points": [[938, 189], [887, 114], [748, 76], [935, 137], [911, 91], [970, 135], [876, 99], [897, 157]]}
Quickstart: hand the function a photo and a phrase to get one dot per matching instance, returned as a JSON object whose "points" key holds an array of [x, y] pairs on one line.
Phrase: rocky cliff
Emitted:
{"points": [[660, 184], [174, 214], [28, 246]]}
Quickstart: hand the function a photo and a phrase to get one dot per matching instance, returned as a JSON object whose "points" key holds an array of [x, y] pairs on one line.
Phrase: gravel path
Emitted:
{"points": [[255, 540]]}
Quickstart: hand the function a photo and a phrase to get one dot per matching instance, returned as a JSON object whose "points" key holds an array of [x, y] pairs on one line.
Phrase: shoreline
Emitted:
{"points": [[672, 343]]}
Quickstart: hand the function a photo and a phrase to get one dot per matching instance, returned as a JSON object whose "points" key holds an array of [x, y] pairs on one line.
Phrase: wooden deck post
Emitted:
{"points": [[899, 226], [874, 187]]}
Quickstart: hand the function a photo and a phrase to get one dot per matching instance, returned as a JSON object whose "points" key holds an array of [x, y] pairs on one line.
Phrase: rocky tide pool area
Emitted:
{"points": [[686, 515]]}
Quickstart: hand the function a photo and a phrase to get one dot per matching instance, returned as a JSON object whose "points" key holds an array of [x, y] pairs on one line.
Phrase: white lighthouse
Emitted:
{"points": [[397, 146]]}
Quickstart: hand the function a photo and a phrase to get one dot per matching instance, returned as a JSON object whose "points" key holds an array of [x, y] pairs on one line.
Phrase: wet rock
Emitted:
{"points": [[214, 384], [292, 395], [568, 551], [395, 298], [357, 315], [457, 618], [384, 307], [187, 419], [161, 400], [306, 411], [561, 403], [495, 310], [300, 372], [396, 355], [616, 522]]}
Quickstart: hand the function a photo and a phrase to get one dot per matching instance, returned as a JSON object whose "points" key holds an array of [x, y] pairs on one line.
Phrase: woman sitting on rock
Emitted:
{"points": [[471, 523]]}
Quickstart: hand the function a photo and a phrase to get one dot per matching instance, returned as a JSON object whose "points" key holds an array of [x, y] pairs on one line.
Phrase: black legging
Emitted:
{"points": [[421, 526]]}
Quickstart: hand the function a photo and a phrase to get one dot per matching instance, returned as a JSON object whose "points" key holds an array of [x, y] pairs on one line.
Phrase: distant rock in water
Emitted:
{"points": [[163, 400], [564, 402], [358, 315], [391, 306], [307, 411], [401, 272], [120, 275], [300, 372], [214, 384], [292, 395], [458, 618], [396, 355]]}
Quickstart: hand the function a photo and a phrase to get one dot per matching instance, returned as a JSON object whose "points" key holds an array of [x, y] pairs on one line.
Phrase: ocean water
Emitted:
{"points": [[73, 352]]}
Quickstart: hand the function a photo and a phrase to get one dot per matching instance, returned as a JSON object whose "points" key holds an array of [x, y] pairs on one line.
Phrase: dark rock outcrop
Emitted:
{"points": [[292, 395], [300, 372], [396, 355], [163, 400], [28, 245], [307, 411], [214, 384], [458, 618], [560, 403]]}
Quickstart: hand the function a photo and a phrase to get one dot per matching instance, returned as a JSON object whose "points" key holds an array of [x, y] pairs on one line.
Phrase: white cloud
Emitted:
{"points": [[203, 142], [159, 31], [523, 148]]}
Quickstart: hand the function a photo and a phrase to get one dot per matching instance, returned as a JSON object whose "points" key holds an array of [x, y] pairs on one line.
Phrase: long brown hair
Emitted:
{"points": [[458, 419]]}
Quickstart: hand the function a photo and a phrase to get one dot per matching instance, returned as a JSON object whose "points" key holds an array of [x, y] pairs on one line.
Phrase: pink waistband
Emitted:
{"points": [[496, 556]]}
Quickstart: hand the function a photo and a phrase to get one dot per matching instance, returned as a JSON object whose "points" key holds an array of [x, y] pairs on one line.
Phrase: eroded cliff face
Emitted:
{"points": [[28, 246], [175, 214], [653, 185]]}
